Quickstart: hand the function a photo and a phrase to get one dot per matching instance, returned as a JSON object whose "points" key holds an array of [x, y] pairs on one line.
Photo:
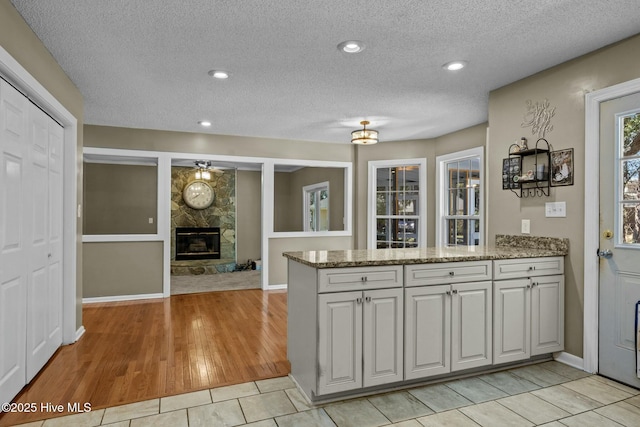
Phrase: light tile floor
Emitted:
{"points": [[549, 394]]}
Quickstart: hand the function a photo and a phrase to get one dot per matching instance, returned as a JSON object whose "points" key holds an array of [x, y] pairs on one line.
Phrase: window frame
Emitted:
{"points": [[373, 166], [442, 194], [316, 189]]}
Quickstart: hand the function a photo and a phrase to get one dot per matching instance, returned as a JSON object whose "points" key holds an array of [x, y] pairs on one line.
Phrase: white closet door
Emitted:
{"points": [[14, 135], [54, 257], [43, 289]]}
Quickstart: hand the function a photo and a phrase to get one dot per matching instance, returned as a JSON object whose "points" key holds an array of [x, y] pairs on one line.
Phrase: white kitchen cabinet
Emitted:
{"points": [[528, 311], [471, 328], [547, 314], [512, 320], [360, 339], [448, 327], [427, 331]]}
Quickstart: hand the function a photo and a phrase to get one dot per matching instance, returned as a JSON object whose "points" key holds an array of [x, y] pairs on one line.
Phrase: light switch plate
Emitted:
{"points": [[526, 226], [555, 209]]}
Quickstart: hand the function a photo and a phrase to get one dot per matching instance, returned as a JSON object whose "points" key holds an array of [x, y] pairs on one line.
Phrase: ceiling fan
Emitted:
{"points": [[204, 169]]}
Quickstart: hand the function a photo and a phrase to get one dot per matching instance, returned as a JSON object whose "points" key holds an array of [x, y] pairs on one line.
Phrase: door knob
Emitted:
{"points": [[605, 254]]}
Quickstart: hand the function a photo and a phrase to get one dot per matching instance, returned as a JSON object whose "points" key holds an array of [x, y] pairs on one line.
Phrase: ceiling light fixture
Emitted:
{"points": [[204, 123], [364, 136], [455, 65], [204, 169], [219, 74], [351, 46]]}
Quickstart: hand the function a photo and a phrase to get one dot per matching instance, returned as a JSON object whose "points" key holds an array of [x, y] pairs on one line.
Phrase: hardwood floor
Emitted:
{"points": [[133, 351]]}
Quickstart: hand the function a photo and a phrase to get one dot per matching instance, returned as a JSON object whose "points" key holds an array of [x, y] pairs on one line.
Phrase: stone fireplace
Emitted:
{"points": [[195, 254], [197, 243]]}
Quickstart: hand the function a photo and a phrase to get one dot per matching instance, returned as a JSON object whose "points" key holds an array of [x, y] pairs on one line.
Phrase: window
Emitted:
{"points": [[460, 198], [397, 204], [316, 207], [628, 192]]}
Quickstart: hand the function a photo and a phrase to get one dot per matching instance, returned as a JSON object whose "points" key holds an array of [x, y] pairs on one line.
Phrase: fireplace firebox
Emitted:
{"points": [[197, 243]]}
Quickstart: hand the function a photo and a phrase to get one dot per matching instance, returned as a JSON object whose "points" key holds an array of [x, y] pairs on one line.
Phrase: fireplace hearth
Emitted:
{"points": [[197, 243]]}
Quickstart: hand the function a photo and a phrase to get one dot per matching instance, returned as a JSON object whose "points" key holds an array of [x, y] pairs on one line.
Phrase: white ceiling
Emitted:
{"points": [[144, 64]]}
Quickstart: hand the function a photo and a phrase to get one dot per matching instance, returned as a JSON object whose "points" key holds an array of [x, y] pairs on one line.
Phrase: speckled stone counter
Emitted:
{"points": [[507, 247]]}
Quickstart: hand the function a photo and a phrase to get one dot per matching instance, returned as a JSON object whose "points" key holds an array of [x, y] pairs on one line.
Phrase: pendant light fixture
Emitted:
{"points": [[364, 136]]}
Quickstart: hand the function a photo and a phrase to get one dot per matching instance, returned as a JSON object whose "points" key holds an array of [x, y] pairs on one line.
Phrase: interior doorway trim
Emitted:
{"points": [[27, 84], [591, 214]]}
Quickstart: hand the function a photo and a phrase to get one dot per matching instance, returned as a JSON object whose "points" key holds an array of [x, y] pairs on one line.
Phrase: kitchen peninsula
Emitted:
{"points": [[362, 321]]}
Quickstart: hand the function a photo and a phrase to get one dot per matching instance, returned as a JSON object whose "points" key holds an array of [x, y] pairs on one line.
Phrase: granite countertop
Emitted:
{"points": [[506, 247]]}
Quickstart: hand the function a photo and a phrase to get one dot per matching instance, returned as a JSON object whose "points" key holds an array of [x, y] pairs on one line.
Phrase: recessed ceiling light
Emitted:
{"points": [[219, 74], [455, 65], [351, 46], [204, 123]]}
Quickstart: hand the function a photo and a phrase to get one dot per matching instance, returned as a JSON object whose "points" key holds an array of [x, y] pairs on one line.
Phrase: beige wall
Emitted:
{"points": [[120, 199], [564, 86], [288, 197], [428, 148], [199, 143], [122, 268], [248, 218], [22, 44], [282, 194], [278, 263]]}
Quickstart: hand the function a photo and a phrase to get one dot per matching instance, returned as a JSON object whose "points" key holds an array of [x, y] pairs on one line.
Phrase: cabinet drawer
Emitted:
{"points": [[447, 272], [527, 267], [359, 278]]}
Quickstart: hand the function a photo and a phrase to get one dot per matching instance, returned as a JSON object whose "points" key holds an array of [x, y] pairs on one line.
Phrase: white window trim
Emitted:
{"points": [[371, 199], [441, 179], [305, 201]]}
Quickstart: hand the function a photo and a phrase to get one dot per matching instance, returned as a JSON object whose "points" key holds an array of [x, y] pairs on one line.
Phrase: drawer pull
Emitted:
{"points": [[367, 299], [448, 292], [455, 291], [530, 268], [358, 300], [363, 279], [452, 273]]}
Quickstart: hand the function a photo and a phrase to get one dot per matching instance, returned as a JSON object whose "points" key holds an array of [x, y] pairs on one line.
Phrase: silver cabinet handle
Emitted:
{"points": [[367, 299], [448, 292], [358, 300], [455, 291]]}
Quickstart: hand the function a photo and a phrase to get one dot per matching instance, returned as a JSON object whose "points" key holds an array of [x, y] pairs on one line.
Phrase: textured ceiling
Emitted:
{"points": [[144, 64]]}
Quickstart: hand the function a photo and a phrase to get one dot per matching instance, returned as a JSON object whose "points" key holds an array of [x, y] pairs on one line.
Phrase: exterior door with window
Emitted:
{"points": [[619, 238]]}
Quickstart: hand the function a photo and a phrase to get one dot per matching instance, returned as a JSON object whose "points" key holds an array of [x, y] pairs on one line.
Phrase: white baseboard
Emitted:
{"points": [[569, 359], [80, 332], [116, 298], [276, 287]]}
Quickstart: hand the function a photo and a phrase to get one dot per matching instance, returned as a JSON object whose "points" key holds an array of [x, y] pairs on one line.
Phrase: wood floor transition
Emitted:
{"points": [[134, 351]]}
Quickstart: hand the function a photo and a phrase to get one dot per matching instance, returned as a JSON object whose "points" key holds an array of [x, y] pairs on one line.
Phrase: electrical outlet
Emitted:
{"points": [[526, 226], [150, 220]]}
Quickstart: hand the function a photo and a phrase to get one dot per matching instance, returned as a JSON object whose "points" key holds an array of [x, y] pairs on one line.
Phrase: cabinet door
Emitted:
{"points": [[471, 330], [511, 320], [547, 317], [340, 342], [382, 336], [427, 331]]}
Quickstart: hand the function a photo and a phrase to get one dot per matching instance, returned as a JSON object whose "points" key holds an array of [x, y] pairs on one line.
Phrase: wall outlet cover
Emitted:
{"points": [[526, 226]]}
